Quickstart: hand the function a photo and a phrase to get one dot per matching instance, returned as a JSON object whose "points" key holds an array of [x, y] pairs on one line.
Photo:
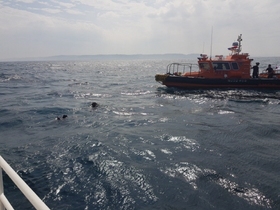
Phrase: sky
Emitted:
{"points": [[37, 28]]}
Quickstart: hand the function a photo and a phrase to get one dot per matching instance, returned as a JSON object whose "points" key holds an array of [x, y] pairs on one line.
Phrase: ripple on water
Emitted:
{"points": [[197, 176], [182, 141], [106, 180]]}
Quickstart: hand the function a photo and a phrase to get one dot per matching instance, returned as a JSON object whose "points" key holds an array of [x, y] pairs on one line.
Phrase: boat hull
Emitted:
{"points": [[206, 83]]}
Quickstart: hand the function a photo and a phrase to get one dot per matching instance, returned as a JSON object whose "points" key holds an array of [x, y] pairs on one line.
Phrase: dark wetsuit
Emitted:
{"points": [[270, 72], [255, 71]]}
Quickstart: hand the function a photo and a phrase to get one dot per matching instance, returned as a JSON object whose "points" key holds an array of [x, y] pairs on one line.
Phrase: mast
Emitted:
{"points": [[239, 39]]}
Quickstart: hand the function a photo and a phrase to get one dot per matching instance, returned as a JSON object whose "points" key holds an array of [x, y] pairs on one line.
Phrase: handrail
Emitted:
{"points": [[175, 68], [24, 188], [276, 71]]}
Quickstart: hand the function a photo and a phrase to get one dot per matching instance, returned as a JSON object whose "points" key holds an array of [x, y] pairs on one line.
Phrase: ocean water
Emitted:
{"points": [[144, 147]]}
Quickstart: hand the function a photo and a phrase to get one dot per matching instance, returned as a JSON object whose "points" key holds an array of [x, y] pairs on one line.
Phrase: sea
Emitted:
{"points": [[145, 146]]}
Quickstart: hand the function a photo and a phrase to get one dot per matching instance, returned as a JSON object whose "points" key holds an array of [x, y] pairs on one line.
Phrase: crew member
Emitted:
{"points": [[269, 71], [256, 70]]}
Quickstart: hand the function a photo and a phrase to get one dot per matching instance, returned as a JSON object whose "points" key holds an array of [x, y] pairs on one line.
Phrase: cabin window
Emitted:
{"points": [[235, 66], [204, 66], [221, 66]]}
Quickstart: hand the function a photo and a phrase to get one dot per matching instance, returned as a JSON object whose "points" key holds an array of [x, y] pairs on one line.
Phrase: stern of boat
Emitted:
{"points": [[276, 74]]}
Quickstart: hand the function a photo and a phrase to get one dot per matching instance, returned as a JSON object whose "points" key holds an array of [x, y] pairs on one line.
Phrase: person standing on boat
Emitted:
{"points": [[256, 70], [269, 71]]}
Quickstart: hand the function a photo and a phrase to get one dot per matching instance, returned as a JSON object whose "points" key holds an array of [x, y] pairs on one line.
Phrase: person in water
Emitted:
{"points": [[63, 117], [256, 70], [94, 104], [269, 71]]}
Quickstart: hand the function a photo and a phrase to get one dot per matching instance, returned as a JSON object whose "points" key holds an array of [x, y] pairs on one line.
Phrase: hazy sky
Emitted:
{"points": [[30, 28]]}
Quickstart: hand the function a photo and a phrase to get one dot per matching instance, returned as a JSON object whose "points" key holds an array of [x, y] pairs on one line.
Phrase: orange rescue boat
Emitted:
{"points": [[232, 71]]}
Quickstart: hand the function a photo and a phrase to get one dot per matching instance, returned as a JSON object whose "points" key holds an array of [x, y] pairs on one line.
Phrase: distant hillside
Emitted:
{"points": [[110, 57], [121, 57]]}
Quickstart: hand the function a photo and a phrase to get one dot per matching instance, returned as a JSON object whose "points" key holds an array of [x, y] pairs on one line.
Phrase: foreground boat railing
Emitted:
{"points": [[181, 68], [25, 189]]}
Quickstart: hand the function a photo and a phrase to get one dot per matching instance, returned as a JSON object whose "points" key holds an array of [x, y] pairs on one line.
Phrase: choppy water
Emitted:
{"points": [[144, 147]]}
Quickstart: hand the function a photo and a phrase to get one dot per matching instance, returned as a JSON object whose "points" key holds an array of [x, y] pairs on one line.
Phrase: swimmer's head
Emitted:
{"points": [[94, 104]]}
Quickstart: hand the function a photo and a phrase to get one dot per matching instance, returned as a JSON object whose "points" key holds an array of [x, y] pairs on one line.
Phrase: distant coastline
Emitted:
{"points": [[171, 56]]}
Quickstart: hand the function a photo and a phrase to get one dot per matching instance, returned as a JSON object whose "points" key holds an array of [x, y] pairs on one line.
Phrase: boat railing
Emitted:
{"points": [[181, 68], [275, 71], [24, 188]]}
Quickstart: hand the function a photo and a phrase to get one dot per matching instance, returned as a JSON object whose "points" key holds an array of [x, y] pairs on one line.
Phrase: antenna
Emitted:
{"points": [[211, 42]]}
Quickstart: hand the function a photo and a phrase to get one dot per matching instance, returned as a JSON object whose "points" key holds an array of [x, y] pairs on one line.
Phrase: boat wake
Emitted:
{"points": [[238, 95]]}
